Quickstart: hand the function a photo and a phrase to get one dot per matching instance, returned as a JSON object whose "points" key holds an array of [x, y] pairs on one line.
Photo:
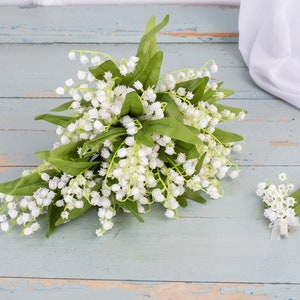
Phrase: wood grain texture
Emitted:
{"points": [[117, 23], [62, 289], [220, 250]]}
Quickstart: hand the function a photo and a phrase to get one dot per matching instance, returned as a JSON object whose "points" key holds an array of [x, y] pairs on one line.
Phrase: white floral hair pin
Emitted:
{"points": [[280, 205]]}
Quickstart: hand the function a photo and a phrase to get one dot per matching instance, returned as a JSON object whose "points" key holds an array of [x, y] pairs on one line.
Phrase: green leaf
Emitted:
{"points": [[63, 121], [171, 127], [132, 207], [107, 66], [226, 137], [75, 213], [147, 43], [296, 195], [141, 66], [66, 159], [151, 73], [210, 95], [226, 92], [132, 105], [196, 86], [194, 196], [234, 110], [190, 150], [26, 185], [145, 139], [62, 107], [199, 91], [64, 151], [149, 64], [153, 48], [54, 214], [93, 146], [163, 156], [172, 109], [72, 167], [200, 163], [182, 201]]}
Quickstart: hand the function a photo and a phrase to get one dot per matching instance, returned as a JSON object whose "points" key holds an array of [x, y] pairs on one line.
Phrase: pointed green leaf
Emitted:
{"points": [[62, 107], [66, 159], [145, 139], [234, 110], [171, 127], [199, 90], [132, 105], [64, 151], [226, 92], [140, 68], [226, 137], [194, 196], [151, 73], [153, 48], [146, 52], [296, 195], [75, 213], [63, 121], [132, 207], [172, 109], [190, 150], [72, 167], [200, 163], [107, 66], [213, 99], [54, 214], [145, 45], [182, 201], [196, 86], [93, 146], [26, 185]]}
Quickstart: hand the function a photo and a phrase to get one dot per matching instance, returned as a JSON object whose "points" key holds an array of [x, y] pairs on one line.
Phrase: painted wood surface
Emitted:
{"points": [[220, 250], [47, 289], [117, 23]]}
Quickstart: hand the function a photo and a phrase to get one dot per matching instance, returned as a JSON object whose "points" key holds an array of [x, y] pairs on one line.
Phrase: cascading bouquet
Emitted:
{"points": [[131, 139]]}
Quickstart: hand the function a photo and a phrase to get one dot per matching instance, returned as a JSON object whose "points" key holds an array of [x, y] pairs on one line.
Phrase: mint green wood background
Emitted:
{"points": [[220, 250]]}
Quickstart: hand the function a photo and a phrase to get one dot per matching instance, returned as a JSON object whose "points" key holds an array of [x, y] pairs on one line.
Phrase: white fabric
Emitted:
{"points": [[270, 45]]}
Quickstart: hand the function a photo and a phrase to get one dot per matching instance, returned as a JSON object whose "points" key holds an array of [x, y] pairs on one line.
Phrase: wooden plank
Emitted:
{"points": [[36, 70], [219, 250], [121, 23], [20, 146], [271, 131], [36, 288], [206, 244]]}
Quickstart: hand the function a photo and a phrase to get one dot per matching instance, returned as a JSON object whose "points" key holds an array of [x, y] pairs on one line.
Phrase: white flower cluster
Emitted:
{"points": [[279, 205], [24, 211], [131, 176]]}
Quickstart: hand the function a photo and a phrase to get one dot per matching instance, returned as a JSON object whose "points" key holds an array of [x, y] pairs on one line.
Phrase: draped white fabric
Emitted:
{"points": [[270, 45]]}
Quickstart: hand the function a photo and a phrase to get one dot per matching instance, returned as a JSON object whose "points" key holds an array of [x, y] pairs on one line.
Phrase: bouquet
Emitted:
{"points": [[130, 139]]}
